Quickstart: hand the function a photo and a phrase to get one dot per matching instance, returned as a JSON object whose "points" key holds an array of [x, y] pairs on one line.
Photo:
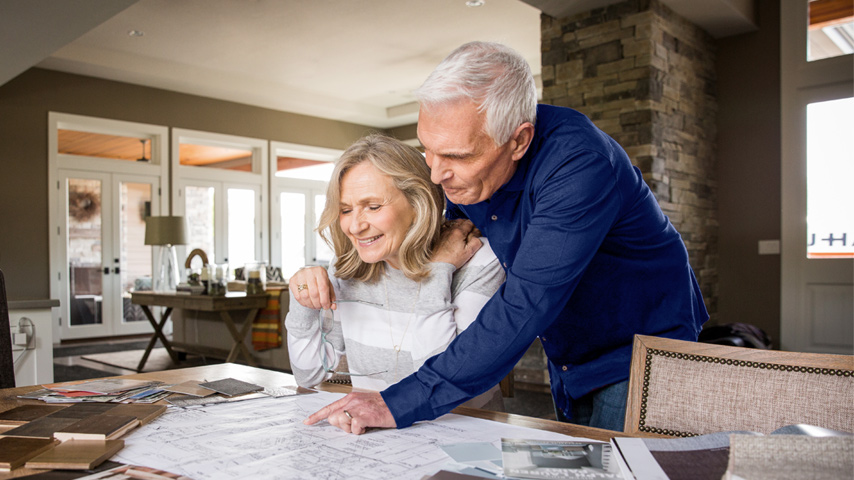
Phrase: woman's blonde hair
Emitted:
{"points": [[406, 167]]}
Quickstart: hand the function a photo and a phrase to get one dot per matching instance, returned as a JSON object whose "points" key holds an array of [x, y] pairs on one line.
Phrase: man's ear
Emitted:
{"points": [[522, 138]]}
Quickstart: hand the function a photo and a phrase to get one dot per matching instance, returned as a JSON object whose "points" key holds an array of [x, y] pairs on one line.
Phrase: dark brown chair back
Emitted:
{"points": [[7, 366]]}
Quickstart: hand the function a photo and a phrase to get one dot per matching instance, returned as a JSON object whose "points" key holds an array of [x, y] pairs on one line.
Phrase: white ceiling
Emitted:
{"points": [[349, 60]]}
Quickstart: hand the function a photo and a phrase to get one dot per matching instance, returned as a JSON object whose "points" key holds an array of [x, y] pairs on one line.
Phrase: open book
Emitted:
{"points": [[712, 456]]}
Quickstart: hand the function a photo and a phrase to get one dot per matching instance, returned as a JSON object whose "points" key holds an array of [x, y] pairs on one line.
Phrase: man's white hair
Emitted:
{"points": [[495, 77]]}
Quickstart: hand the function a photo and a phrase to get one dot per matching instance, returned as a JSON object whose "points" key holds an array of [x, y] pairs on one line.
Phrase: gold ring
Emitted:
{"points": [[302, 287], [348, 414]]}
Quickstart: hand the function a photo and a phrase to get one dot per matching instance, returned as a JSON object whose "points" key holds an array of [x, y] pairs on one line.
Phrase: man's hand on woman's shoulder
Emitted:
{"points": [[458, 243]]}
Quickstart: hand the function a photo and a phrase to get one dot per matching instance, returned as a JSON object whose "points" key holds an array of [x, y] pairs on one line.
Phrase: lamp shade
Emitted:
{"points": [[165, 231]]}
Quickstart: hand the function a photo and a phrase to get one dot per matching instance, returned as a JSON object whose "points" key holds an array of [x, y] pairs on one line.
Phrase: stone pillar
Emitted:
{"points": [[645, 76]]}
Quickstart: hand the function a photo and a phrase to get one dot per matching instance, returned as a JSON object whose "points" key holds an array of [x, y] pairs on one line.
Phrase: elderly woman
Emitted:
{"points": [[401, 295]]}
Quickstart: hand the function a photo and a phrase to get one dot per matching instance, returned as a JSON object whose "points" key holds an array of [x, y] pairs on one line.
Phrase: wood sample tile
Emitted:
{"points": [[14, 452], [83, 410], [40, 428], [97, 427], [143, 413], [27, 413], [77, 454]]}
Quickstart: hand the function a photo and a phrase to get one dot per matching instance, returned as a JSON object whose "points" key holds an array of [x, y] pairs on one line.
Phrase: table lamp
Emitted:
{"points": [[166, 232]]}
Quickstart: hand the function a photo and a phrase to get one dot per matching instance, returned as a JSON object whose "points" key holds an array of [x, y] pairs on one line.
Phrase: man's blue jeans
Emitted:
{"points": [[603, 408]]}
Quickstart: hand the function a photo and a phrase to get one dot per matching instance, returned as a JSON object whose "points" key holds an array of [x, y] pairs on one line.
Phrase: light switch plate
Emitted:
{"points": [[769, 247]]}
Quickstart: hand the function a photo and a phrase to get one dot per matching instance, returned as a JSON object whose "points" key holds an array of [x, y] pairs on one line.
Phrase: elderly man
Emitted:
{"points": [[591, 260]]}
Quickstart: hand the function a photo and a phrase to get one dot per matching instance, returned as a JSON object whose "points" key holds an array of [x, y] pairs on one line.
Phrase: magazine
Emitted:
{"points": [[558, 459]]}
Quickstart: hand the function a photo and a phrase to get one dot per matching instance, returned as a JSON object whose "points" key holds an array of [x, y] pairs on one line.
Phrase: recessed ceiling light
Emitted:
{"points": [[136, 33], [474, 3]]}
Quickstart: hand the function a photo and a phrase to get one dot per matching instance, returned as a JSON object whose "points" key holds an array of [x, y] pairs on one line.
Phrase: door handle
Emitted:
{"points": [[106, 270], [116, 270]]}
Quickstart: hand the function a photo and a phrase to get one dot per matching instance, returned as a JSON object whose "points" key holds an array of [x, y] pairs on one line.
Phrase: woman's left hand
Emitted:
{"points": [[312, 289], [458, 243]]}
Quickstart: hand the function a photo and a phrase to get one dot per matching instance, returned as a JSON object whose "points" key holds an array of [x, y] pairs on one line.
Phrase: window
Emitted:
{"points": [[830, 174], [101, 145], [299, 195], [219, 185], [831, 29]]}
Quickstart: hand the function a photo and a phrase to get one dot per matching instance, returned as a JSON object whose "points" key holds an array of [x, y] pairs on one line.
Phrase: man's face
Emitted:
{"points": [[461, 156]]}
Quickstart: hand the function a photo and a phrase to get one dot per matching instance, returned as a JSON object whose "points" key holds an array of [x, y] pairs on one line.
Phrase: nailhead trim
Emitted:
{"points": [[726, 361]]}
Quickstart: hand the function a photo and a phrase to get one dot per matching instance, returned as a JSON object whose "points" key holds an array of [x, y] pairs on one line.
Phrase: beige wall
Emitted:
{"points": [[24, 105], [748, 68]]}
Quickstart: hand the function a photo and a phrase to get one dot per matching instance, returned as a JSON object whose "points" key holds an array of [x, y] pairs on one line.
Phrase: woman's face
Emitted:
{"points": [[374, 214]]}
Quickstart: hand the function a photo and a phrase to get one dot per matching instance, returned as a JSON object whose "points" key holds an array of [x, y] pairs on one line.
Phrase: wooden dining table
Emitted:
{"points": [[9, 399], [224, 305]]}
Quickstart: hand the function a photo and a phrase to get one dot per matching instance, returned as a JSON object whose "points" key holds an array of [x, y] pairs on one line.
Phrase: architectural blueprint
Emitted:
{"points": [[266, 439]]}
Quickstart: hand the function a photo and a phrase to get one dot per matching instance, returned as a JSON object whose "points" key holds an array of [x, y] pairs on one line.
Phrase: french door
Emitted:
{"points": [[224, 220], [101, 245]]}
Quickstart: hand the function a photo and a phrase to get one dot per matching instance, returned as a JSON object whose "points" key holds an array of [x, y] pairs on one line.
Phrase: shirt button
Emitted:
{"points": [[494, 218], [564, 368]]}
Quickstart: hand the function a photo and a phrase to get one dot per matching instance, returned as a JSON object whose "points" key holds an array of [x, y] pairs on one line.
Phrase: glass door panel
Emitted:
{"points": [[135, 258], [242, 226], [200, 212], [322, 252], [292, 213], [84, 251], [830, 174]]}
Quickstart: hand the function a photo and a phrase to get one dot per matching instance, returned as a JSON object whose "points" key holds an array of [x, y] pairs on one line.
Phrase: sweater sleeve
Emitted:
{"points": [[306, 345], [474, 284]]}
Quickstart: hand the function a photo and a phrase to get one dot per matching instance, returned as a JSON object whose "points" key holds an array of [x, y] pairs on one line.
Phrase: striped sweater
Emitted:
{"points": [[423, 319]]}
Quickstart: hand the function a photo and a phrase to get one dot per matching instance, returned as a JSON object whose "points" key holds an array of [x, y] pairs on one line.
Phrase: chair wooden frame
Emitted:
{"points": [[7, 365], [646, 348]]}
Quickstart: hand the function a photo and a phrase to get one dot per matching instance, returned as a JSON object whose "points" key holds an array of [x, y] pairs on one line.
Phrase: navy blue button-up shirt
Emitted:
{"points": [[591, 261]]}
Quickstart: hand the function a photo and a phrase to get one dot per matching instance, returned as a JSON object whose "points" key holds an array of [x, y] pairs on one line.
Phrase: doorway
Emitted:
{"points": [[103, 252], [105, 177]]}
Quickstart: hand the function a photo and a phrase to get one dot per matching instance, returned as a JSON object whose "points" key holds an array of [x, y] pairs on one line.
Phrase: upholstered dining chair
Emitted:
{"points": [[680, 388], [7, 366]]}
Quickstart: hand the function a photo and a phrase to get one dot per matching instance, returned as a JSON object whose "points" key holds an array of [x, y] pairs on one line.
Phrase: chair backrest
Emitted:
{"points": [[680, 388], [7, 366]]}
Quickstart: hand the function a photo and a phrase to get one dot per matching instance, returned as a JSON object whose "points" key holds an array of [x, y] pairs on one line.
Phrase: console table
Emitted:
{"points": [[224, 305]]}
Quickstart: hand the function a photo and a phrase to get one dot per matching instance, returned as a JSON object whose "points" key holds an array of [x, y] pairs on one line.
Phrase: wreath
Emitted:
{"points": [[83, 205]]}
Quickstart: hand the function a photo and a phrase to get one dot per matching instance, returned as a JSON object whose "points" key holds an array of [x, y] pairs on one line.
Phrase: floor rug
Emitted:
{"points": [[101, 347], [158, 359], [68, 373]]}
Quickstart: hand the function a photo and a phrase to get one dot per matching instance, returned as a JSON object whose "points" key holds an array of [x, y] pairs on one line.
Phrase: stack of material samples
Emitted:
{"points": [[76, 437]]}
